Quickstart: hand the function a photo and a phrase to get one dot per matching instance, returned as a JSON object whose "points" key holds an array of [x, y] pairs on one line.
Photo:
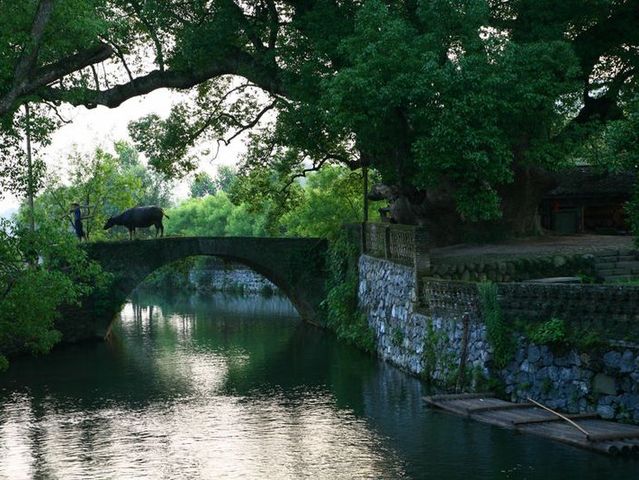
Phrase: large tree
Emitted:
{"points": [[465, 105]]}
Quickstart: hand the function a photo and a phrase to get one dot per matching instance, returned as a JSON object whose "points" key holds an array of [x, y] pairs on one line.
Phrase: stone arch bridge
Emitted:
{"points": [[295, 265]]}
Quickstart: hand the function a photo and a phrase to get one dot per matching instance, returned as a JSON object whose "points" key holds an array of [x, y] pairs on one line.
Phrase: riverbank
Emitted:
{"points": [[456, 336]]}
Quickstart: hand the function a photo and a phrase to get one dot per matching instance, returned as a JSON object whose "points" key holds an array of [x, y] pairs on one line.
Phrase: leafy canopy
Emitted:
{"points": [[452, 97]]}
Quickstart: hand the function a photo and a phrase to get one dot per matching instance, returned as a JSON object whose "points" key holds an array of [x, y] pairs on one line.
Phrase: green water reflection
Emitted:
{"points": [[238, 387]]}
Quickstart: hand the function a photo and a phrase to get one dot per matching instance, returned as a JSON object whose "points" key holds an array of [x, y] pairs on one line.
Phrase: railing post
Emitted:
{"points": [[387, 242], [363, 237], [421, 258]]}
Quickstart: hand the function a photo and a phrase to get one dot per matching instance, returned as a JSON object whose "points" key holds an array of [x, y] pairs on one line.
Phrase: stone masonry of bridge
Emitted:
{"points": [[295, 265]]}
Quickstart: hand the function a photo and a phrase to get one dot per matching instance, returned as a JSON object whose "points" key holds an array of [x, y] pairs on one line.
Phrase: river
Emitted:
{"points": [[238, 387]]}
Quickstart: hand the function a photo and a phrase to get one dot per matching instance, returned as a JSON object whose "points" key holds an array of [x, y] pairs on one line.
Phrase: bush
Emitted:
{"points": [[499, 336], [553, 332], [40, 272], [343, 314]]}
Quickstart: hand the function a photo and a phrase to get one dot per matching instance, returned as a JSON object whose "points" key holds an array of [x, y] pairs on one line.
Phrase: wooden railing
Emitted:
{"points": [[405, 244]]}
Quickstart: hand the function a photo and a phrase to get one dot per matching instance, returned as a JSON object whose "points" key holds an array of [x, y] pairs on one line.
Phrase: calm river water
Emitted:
{"points": [[237, 387]]}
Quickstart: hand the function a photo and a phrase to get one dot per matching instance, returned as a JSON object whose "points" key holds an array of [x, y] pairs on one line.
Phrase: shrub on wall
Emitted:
{"points": [[551, 332], [499, 335], [343, 314]]}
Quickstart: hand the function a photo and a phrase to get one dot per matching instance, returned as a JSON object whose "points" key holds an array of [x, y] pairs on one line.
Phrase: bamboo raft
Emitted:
{"points": [[585, 430]]}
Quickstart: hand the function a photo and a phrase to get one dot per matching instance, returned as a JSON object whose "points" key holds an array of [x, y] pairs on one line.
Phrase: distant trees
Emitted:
{"points": [[106, 184], [330, 198], [202, 185], [327, 200]]}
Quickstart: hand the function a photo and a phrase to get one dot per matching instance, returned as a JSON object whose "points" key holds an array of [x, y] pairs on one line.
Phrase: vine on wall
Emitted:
{"points": [[342, 311]]}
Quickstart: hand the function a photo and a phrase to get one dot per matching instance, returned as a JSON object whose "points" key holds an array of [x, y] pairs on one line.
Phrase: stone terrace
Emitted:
{"points": [[535, 247]]}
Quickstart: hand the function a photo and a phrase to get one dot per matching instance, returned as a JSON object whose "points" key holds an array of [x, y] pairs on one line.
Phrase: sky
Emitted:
{"points": [[101, 127]]}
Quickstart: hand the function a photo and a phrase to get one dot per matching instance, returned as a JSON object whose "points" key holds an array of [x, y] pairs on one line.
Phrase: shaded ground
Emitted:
{"points": [[535, 247]]}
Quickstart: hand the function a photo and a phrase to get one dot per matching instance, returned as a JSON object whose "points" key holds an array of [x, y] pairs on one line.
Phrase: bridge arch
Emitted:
{"points": [[295, 265]]}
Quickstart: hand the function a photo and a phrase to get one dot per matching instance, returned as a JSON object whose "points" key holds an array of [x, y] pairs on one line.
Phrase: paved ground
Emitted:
{"points": [[537, 247]]}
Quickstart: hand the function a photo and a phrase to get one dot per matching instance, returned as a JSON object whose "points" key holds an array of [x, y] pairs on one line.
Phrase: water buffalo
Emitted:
{"points": [[139, 217]]}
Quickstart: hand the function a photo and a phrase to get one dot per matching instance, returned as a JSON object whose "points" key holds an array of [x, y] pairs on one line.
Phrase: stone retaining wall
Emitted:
{"points": [[421, 344], [611, 309], [445, 341]]}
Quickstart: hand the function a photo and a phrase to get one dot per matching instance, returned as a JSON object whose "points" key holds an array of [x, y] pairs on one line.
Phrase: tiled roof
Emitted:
{"points": [[588, 182]]}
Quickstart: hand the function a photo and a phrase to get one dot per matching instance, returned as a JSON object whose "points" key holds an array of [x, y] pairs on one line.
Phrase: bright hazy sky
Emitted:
{"points": [[100, 127]]}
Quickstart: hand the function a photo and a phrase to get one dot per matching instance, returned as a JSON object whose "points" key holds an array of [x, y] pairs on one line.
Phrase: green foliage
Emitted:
{"points": [[214, 215], [449, 96], [329, 199], [107, 184], [498, 333], [225, 178], [155, 188], [397, 336], [342, 312], [436, 357], [481, 383], [553, 332], [39, 272], [558, 334], [202, 185], [429, 351]]}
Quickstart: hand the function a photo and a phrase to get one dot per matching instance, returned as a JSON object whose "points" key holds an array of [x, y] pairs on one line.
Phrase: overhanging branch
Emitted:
{"points": [[236, 63], [29, 56]]}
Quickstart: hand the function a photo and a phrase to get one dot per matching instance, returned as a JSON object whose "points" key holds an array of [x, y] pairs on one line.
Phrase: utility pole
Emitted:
{"points": [[365, 175], [365, 216], [29, 169]]}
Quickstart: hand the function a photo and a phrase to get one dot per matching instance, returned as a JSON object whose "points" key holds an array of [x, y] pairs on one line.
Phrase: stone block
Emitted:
{"points": [[534, 353], [612, 359], [627, 361], [559, 261], [605, 384], [606, 411]]}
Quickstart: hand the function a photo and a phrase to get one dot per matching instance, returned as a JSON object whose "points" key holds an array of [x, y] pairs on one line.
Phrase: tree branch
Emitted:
{"points": [[120, 55], [617, 29], [54, 72], [275, 24], [316, 166], [152, 33], [29, 56], [237, 63], [244, 127]]}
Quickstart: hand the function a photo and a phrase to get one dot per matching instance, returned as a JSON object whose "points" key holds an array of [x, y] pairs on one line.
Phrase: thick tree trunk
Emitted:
{"points": [[521, 198], [436, 210]]}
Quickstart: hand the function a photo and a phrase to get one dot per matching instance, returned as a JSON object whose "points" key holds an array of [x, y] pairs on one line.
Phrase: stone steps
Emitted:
{"points": [[621, 265], [613, 271], [619, 278]]}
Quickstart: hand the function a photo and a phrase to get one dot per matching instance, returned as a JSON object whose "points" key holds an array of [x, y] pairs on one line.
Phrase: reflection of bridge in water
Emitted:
{"points": [[230, 304], [294, 265]]}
